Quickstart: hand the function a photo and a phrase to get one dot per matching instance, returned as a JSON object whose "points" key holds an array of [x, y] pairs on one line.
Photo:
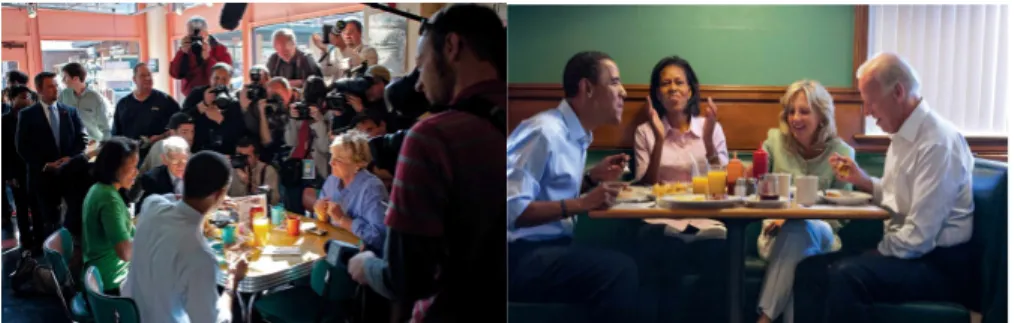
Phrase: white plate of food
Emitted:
{"points": [[696, 201], [635, 194], [842, 197], [754, 201]]}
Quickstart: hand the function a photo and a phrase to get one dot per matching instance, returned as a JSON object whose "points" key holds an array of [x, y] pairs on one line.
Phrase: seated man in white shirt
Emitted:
{"points": [[173, 271], [927, 186]]}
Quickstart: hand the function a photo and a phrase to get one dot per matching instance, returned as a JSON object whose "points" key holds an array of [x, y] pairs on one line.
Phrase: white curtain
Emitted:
{"points": [[960, 53]]}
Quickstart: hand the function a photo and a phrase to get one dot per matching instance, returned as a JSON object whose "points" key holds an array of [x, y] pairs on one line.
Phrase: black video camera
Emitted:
{"points": [[222, 97], [256, 92], [385, 149], [405, 104], [196, 45], [355, 83]]}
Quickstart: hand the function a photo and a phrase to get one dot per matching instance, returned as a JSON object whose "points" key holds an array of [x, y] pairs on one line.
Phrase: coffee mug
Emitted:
{"points": [[784, 184], [806, 190]]}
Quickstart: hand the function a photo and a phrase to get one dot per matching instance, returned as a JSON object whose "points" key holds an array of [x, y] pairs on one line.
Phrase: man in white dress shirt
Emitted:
{"points": [[927, 186], [173, 273]]}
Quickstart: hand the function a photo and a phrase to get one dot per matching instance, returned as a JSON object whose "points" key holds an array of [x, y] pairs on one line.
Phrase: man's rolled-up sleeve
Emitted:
{"points": [[527, 157]]}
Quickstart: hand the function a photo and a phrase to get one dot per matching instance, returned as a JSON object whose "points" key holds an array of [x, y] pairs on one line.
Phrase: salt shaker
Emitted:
{"points": [[740, 190]]}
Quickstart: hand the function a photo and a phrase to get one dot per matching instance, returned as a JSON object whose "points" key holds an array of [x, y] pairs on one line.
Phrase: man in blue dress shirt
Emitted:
{"points": [[545, 174]]}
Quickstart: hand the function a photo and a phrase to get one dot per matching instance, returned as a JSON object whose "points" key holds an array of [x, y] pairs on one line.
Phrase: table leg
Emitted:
{"points": [[248, 316], [735, 243]]}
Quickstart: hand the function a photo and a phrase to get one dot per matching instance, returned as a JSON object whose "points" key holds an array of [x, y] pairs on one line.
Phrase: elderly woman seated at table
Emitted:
{"points": [[107, 227], [802, 145], [353, 198]]}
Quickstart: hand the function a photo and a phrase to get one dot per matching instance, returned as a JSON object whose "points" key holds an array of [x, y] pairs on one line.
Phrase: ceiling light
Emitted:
{"points": [[209, 4], [33, 9], [179, 9]]}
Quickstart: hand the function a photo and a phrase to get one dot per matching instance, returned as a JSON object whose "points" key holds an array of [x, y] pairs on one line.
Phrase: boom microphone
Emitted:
{"points": [[232, 13], [391, 10]]}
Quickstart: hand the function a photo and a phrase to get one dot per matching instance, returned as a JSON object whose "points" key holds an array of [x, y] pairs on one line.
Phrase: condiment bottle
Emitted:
{"points": [[734, 170], [760, 163]]}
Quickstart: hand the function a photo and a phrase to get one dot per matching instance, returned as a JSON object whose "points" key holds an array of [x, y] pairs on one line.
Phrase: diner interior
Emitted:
{"points": [[287, 276], [745, 57]]}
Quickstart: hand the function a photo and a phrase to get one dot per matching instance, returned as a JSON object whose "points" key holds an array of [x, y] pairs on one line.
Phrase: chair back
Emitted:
{"points": [[59, 248], [107, 308], [332, 282]]}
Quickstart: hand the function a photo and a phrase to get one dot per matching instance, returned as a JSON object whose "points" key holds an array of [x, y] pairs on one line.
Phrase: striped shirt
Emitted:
{"points": [[449, 183]]}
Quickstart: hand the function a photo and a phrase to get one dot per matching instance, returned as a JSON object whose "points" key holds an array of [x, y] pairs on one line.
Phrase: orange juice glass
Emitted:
{"points": [[700, 185], [717, 181], [261, 227]]}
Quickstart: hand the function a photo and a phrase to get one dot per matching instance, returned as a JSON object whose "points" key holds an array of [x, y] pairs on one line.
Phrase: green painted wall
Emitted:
{"points": [[730, 45]]}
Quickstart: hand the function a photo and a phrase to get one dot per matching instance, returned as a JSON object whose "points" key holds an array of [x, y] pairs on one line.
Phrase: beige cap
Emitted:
{"points": [[379, 71]]}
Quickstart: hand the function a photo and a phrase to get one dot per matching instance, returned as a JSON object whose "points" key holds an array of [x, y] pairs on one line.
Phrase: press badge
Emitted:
{"points": [[308, 169]]}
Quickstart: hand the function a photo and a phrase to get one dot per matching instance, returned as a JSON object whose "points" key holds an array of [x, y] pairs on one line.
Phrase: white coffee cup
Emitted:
{"points": [[806, 190], [784, 184]]}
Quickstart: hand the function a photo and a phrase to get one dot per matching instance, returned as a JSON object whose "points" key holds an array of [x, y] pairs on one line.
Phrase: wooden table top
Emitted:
{"points": [[311, 247], [624, 211]]}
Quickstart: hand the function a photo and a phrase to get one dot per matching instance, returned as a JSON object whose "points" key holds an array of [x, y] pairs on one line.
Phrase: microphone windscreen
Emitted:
{"points": [[232, 13]]}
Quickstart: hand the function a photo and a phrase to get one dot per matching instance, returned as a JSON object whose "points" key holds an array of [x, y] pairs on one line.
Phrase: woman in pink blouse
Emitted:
{"points": [[679, 140]]}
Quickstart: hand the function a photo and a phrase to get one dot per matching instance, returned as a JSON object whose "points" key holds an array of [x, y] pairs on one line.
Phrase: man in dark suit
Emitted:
{"points": [[48, 135], [14, 167], [158, 181]]}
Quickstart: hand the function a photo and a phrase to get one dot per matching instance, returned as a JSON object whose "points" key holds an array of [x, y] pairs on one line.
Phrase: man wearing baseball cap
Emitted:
{"points": [[374, 96]]}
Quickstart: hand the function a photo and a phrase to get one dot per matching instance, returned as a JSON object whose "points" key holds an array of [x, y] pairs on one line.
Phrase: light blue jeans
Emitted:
{"points": [[796, 240]]}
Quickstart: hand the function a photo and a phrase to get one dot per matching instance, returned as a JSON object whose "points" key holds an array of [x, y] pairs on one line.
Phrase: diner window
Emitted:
{"points": [[233, 41], [960, 53], [263, 47], [109, 63]]}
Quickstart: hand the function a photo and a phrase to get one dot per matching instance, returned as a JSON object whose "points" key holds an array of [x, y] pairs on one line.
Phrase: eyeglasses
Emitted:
{"points": [[177, 162]]}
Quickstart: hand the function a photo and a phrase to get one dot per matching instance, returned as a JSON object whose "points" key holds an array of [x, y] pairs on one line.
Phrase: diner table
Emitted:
{"points": [[736, 220], [268, 271]]}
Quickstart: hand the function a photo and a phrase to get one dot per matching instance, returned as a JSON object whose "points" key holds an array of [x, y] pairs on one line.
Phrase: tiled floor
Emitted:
{"points": [[26, 310]]}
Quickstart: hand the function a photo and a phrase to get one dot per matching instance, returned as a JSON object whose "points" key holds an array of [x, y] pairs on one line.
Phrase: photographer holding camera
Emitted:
{"points": [[358, 52], [218, 119], [248, 96], [249, 173], [290, 62], [331, 49], [198, 52], [307, 133], [444, 247], [362, 93]]}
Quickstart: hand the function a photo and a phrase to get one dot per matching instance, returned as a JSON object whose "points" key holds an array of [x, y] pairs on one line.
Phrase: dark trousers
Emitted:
{"points": [[839, 287], [667, 260], [558, 272], [46, 217], [22, 205]]}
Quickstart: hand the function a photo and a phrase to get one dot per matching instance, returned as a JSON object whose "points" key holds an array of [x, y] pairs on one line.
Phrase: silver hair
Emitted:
{"points": [[284, 32], [198, 21], [890, 69], [175, 144]]}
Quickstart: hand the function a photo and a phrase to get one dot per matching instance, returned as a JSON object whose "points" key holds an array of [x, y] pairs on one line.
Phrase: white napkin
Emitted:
{"points": [[283, 251]]}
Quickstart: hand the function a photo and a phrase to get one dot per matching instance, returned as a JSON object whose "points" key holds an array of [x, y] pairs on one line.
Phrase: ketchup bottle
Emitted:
{"points": [[760, 163]]}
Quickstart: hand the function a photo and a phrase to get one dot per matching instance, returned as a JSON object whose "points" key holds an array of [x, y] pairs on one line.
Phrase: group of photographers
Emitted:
{"points": [[290, 108], [436, 133]]}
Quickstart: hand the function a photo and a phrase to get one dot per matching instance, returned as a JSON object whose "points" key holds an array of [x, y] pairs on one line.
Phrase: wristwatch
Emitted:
{"points": [[588, 179]]}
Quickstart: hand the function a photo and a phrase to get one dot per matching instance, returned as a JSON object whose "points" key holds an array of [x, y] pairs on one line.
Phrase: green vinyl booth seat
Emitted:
{"points": [[59, 248], [303, 303], [107, 308], [657, 300]]}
